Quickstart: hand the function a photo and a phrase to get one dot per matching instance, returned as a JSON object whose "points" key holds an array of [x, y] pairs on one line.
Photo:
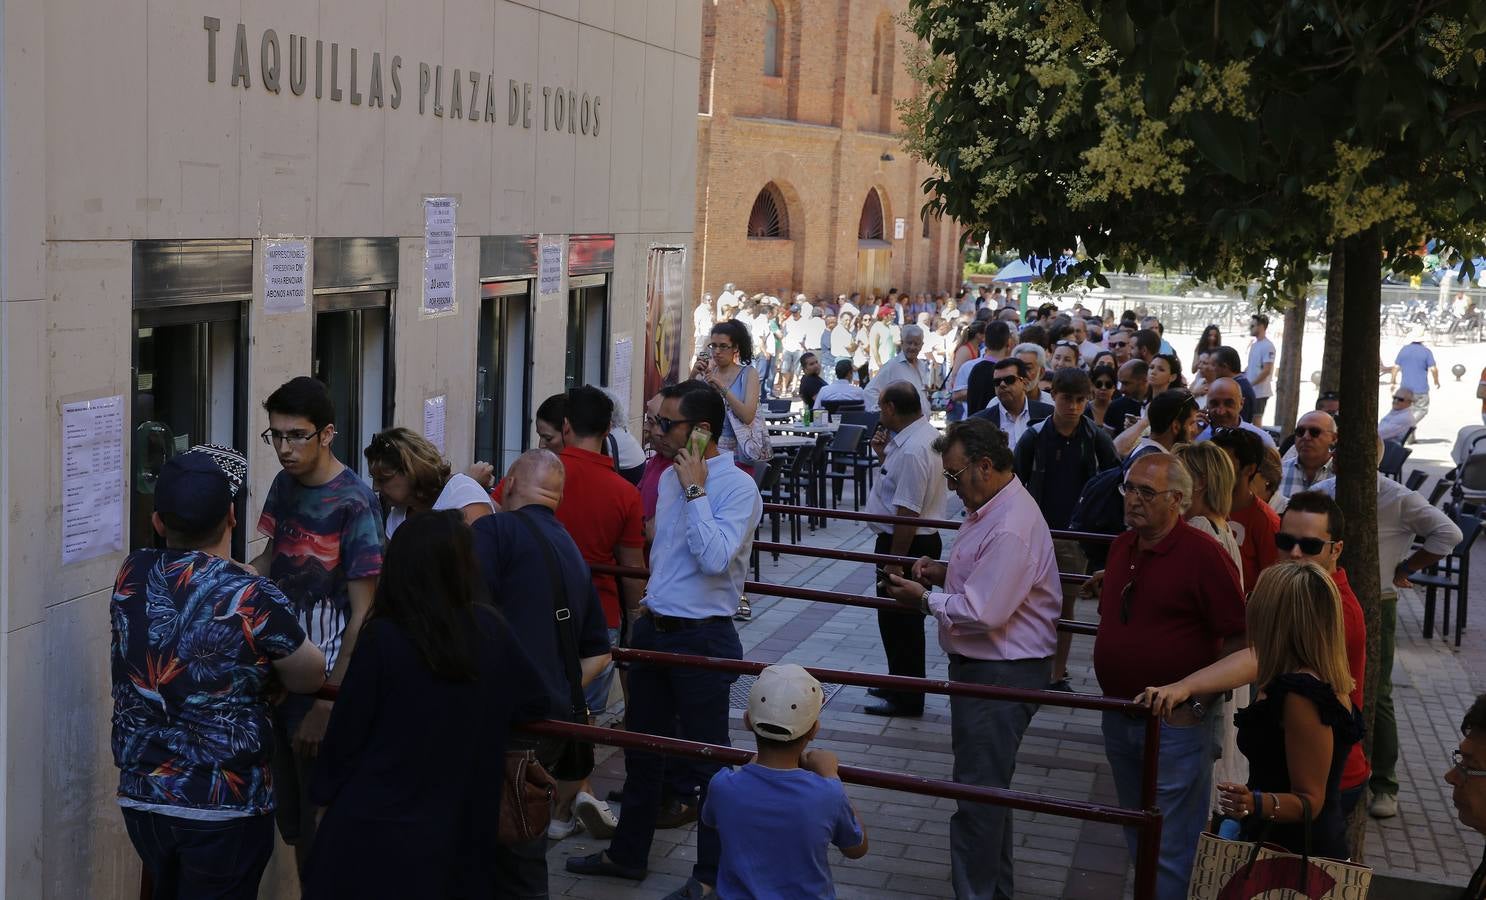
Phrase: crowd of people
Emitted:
{"points": [[446, 608]]}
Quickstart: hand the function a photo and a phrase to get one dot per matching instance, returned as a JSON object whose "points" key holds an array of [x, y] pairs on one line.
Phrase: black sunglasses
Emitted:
{"points": [[1007, 380], [1308, 431], [1309, 546], [1104, 385], [667, 424]]}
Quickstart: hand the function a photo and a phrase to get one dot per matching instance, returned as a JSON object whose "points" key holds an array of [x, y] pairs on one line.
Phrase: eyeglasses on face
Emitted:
{"points": [[1104, 385], [667, 424], [1145, 493], [1308, 431], [1457, 761], [292, 438], [1007, 380], [720, 348], [1308, 545], [954, 477], [1115, 345]]}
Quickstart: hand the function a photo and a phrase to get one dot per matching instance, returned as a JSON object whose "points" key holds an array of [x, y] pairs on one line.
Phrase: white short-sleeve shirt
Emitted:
{"points": [[459, 491]]}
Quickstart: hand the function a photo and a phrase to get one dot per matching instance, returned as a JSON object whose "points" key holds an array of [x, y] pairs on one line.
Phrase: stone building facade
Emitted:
{"points": [[802, 180]]}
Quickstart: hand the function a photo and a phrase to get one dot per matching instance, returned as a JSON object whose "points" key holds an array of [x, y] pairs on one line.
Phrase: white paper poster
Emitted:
{"points": [[900, 227], [621, 364], [92, 478], [284, 268], [549, 280], [439, 214], [433, 420]]}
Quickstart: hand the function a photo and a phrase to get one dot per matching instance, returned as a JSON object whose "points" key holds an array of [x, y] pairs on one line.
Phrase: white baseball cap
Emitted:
{"points": [[784, 702]]}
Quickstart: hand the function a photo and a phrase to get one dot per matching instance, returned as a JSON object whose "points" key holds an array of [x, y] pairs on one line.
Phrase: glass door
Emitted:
{"points": [[188, 389], [352, 350], [588, 331], [503, 373]]}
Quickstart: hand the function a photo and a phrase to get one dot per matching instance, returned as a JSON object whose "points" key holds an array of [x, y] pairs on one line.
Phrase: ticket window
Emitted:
{"points": [[351, 358], [588, 331], [503, 405], [189, 382]]}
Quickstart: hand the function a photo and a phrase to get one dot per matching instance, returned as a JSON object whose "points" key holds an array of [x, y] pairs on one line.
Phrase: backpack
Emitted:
{"points": [[1100, 508]]}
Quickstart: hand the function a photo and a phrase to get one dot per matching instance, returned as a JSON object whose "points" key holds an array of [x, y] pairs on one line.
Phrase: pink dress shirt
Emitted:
{"points": [[1001, 596]]}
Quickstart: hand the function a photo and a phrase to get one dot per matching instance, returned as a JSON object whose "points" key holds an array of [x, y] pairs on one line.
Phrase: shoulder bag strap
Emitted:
{"points": [[563, 616]]}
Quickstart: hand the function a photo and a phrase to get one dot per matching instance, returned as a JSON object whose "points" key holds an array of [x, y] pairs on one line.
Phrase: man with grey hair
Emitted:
{"points": [[1036, 359], [906, 366], [1395, 424], [1170, 604]]}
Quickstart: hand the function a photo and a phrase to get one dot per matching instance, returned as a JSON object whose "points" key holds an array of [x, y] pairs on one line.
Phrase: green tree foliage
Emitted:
{"points": [[1232, 139]]}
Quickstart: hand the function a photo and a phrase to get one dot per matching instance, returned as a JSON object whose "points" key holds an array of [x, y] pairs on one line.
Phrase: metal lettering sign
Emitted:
{"points": [[356, 77]]}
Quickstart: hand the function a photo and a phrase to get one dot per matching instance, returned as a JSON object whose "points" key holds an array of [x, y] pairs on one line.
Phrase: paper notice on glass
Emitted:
{"points": [[433, 420], [284, 287], [549, 280], [439, 215], [92, 478], [621, 364], [900, 228]]}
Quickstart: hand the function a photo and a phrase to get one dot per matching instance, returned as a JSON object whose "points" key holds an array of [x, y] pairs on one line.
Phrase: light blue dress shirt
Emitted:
{"points": [[699, 560]]}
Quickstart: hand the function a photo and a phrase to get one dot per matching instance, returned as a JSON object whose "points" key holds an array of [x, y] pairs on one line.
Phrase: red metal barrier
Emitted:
{"points": [[879, 559], [816, 512]]}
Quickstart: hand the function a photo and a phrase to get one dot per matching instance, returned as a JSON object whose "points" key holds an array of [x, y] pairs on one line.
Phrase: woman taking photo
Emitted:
{"points": [[410, 476], [1211, 340], [1299, 729], [410, 769], [730, 373]]}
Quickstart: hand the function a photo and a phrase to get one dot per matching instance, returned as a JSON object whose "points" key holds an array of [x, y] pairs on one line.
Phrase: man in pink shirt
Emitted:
{"points": [[997, 617]]}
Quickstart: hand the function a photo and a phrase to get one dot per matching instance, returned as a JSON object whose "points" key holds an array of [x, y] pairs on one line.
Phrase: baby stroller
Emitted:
{"points": [[1468, 488]]}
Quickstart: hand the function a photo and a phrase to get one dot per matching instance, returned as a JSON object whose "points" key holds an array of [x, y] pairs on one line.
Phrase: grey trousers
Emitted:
{"points": [[985, 735]]}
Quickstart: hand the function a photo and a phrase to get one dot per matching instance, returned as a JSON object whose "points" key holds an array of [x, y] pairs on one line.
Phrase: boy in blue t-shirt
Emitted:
{"points": [[776, 815]]}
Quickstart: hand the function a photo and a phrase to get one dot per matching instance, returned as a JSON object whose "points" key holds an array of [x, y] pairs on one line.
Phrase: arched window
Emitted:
{"points": [[876, 59], [870, 226], [772, 67], [769, 218]]}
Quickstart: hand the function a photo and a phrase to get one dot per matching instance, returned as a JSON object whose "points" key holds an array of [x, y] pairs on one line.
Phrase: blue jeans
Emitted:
{"points": [[673, 701], [188, 858], [596, 695], [1184, 790]]}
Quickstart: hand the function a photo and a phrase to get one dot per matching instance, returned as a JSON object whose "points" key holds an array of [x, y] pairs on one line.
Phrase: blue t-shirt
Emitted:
{"points": [[1415, 360], [774, 825], [323, 537], [193, 637]]}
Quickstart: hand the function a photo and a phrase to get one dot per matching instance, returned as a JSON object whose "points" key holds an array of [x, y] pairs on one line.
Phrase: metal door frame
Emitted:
{"points": [[500, 290]]}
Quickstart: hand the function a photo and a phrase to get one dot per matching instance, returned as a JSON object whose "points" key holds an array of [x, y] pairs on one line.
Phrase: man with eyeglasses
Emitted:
{"points": [[1404, 517], [324, 551], [908, 485], [1315, 442], [1011, 411], [996, 612], [1395, 424], [705, 517], [1119, 345], [1310, 531], [1169, 605], [1467, 777]]}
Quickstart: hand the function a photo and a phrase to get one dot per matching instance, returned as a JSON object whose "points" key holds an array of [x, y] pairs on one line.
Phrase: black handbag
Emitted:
{"points": [[574, 761]]}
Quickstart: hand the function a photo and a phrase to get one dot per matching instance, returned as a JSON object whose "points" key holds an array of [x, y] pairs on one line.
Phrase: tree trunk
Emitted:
{"points": [[1331, 352], [1288, 370], [1357, 462]]}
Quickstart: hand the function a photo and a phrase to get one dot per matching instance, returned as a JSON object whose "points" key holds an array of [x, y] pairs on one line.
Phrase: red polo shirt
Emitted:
{"points": [[1357, 770], [601, 511], [1185, 602], [1255, 526]]}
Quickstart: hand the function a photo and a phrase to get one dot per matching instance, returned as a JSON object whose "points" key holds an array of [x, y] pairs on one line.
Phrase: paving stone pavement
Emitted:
{"points": [[1062, 756]]}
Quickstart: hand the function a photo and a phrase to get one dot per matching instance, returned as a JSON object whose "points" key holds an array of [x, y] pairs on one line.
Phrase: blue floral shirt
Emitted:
{"points": [[193, 637]]}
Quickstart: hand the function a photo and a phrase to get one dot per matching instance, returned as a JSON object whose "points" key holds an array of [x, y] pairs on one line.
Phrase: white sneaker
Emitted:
{"points": [[595, 815], [558, 829], [1384, 806]]}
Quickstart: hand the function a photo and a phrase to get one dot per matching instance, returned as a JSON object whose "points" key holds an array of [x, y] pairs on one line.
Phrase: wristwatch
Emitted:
{"points": [[693, 491]]}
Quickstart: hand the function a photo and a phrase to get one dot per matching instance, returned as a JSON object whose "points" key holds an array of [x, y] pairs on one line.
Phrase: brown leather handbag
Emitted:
{"points": [[526, 799]]}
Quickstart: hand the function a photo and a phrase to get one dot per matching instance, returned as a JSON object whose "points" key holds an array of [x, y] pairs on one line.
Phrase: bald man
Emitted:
{"points": [[1315, 441], [514, 548], [1224, 410]]}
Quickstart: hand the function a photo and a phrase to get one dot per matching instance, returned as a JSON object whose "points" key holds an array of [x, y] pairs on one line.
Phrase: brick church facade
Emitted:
{"points": [[802, 180]]}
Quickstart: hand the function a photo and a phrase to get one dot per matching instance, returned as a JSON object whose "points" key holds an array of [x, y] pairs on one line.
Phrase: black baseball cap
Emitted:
{"points": [[193, 490]]}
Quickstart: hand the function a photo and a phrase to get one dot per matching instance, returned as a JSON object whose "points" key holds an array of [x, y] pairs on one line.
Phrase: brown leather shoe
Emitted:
{"points": [[675, 815]]}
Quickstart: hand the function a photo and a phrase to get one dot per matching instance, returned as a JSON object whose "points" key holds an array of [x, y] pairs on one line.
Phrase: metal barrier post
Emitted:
{"points": [[1148, 848]]}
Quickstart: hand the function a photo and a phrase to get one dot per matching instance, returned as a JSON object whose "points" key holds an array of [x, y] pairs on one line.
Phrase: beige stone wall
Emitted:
{"points": [[113, 134]]}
